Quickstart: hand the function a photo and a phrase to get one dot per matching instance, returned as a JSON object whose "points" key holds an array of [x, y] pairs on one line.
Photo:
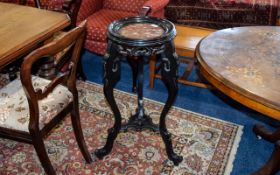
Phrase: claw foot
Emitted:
{"points": [[176, 159], [100, 153]]}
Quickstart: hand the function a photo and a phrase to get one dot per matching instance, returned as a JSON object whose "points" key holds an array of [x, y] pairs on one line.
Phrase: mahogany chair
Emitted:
{"points": [[32, 106], [70, 7]]}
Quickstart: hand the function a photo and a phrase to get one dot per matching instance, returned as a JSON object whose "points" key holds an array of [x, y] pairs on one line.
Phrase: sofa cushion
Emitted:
{"points": [[10, 1], [14, 113], [48, 4], [220, 14], [124, 5], [98, 22]]}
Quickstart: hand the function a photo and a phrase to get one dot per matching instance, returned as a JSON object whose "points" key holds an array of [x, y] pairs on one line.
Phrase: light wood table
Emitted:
{"points": [[187, 39], [244, 63], [22, 28], [185, 42]]}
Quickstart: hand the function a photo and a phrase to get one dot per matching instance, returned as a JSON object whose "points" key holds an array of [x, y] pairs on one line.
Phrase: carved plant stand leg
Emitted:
{"points": [[134, 66], [160, 35], [169, 77], [111, 77], [272, 166], [140, 120]]}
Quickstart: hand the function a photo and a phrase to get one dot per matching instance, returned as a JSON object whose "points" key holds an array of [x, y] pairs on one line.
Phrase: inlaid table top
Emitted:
{"points": [[22, 27], [244, 63]]}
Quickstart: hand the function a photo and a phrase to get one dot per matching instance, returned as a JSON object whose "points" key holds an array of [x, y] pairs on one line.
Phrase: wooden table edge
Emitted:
{"points": [[215, 80], [43, 36], [196, 27]]}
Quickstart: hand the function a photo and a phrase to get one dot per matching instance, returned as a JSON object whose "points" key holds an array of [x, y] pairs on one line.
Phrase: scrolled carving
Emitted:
{"points": [[115, 67], [166, 64], [140, 51]]}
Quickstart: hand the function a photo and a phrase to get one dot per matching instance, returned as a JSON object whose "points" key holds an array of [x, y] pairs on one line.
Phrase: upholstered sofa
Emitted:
{"points": [[220, 14], [100, 13], [46, 4]]}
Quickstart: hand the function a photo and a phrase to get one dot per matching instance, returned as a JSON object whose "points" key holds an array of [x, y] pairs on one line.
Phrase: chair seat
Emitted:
{"points": [[14, 107]]}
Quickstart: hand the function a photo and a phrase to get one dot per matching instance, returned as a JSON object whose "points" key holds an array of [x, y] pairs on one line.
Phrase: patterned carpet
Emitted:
{"points": [[208, 145]]}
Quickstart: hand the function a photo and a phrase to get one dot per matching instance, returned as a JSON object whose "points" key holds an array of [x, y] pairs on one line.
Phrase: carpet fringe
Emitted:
{"points": [[233, 152]]}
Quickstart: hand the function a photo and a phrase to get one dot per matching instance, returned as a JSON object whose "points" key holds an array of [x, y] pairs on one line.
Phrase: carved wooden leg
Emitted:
{"points": [[47, 68], [169, 77], [272, 166], [39, 146], [140, 120], [76, 123], [80, 71], [260, 130], [134, 66], [152, 70], [12, 72], [111, 77]]}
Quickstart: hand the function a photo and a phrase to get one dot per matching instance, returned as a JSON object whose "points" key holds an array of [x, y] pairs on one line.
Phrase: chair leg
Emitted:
{"points": [[80, 71], [39, 146], [76, 123], [152, 70]]}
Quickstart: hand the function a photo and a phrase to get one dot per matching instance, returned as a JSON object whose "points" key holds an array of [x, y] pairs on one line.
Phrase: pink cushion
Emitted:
{"points": [[10, 1], [88, 7], [48, 4], [124, 5]]}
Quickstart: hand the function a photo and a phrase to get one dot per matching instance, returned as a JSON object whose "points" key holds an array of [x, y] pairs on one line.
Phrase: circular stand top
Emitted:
{"points": [[141, 31]]}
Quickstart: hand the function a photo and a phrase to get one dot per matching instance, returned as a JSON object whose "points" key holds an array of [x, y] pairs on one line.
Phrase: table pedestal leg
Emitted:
{"points": [[47, 68], [272, 166], [12, 72], [132, 61], [140, 121], [111, 77]]}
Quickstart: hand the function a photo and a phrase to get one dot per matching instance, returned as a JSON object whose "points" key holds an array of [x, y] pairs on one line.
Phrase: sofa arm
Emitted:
{"points": [[88, 7], [156, 5]]}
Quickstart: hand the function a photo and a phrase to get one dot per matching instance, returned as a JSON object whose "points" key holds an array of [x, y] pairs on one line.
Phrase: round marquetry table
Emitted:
{"points": [[244, 63], [140, 37]]}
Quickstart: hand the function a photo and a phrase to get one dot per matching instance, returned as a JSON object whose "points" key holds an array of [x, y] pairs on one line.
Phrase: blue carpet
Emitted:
{"points": [[252, 153]]}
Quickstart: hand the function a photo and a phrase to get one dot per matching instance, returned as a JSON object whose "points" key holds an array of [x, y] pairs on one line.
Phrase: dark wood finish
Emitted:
{"points": [[35, 135], [145, 11], [132, 61], [244, 64], [122, 45], [70, 7]]}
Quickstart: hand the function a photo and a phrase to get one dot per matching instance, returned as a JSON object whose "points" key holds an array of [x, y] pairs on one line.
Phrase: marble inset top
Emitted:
{"points": [[142, 31], [246, 59]]}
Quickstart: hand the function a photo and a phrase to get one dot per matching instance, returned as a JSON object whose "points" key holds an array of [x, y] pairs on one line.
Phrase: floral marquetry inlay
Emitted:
{"points": [[246, 59]]}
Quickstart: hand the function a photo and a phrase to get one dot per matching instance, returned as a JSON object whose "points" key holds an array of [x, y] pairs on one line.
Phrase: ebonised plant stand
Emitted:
{"points": [[140, 37]]}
